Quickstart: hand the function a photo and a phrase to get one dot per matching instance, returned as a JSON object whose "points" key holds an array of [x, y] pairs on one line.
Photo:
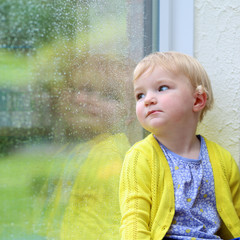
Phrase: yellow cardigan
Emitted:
{"points": [[147, 192]]}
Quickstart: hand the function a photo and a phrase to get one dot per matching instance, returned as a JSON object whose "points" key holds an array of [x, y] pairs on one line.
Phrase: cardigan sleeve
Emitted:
{"points": [[135, 197], [234, 183]]}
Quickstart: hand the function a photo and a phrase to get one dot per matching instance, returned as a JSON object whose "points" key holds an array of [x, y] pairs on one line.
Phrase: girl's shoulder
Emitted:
{"points": [[146, 145]]}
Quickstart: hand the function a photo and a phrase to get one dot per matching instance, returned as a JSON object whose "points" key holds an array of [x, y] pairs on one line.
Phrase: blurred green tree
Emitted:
{"points": [[29, 23]]}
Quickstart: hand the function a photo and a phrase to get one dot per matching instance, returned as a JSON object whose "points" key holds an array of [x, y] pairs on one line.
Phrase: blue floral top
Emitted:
{"points": [[196, 216]]}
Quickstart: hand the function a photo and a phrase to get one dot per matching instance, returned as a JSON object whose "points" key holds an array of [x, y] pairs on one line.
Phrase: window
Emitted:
{"points": [[176, 26], [67, 113]]}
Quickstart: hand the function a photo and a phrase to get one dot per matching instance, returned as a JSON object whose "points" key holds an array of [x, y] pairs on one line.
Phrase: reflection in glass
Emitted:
{"points": [[66, 115]]}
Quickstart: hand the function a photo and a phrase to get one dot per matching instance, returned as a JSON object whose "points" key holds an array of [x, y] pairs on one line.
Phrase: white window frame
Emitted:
{"points": [[176, 26]]}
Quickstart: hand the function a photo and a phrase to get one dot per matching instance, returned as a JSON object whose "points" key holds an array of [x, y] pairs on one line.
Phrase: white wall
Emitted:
{"points": [[217, 47]]}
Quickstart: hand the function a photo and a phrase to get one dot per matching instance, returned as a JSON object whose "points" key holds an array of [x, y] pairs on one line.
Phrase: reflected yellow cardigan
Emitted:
{"points": [[147, 193]]}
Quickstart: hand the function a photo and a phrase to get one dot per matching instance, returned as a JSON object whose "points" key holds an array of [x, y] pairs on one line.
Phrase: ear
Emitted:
{"points": [[200, 101]]}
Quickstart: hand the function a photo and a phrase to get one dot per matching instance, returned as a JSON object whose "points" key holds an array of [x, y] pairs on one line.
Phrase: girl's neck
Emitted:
{"points": [[183, 145]]}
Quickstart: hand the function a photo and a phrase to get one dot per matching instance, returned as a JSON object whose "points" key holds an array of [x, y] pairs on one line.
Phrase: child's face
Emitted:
{"points": [[164, 101]]}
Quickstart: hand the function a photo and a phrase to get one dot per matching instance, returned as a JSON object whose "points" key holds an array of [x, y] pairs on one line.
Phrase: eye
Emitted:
{"points": [[163, 88], [139, 96]]}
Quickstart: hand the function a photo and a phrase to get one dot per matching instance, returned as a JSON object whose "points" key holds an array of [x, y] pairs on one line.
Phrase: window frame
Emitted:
{"points": [[176, 26]]}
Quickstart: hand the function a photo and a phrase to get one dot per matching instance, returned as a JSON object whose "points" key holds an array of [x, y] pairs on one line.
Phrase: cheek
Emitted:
{"points": [[169, 101], [139, 111], [173, 100]]}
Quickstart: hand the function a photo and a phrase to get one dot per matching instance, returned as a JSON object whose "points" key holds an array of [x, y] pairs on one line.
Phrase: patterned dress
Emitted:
{"points": [[196, 216]]}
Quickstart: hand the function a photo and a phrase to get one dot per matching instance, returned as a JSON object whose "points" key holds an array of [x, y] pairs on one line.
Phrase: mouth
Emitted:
{"points": [[153, 112]]}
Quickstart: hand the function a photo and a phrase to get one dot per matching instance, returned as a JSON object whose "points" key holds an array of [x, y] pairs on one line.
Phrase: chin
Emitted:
{"points": [[154, 127]]}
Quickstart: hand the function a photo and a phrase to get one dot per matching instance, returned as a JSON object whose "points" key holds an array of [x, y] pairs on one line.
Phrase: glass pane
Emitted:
{"points": [[66, 114]]}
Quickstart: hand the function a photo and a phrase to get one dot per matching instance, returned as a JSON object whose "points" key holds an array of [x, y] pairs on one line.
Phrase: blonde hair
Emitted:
{"points": [[179, 63]]}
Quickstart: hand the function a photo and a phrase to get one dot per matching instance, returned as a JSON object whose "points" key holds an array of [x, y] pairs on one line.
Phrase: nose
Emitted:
{"points": [[150, 99]]}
